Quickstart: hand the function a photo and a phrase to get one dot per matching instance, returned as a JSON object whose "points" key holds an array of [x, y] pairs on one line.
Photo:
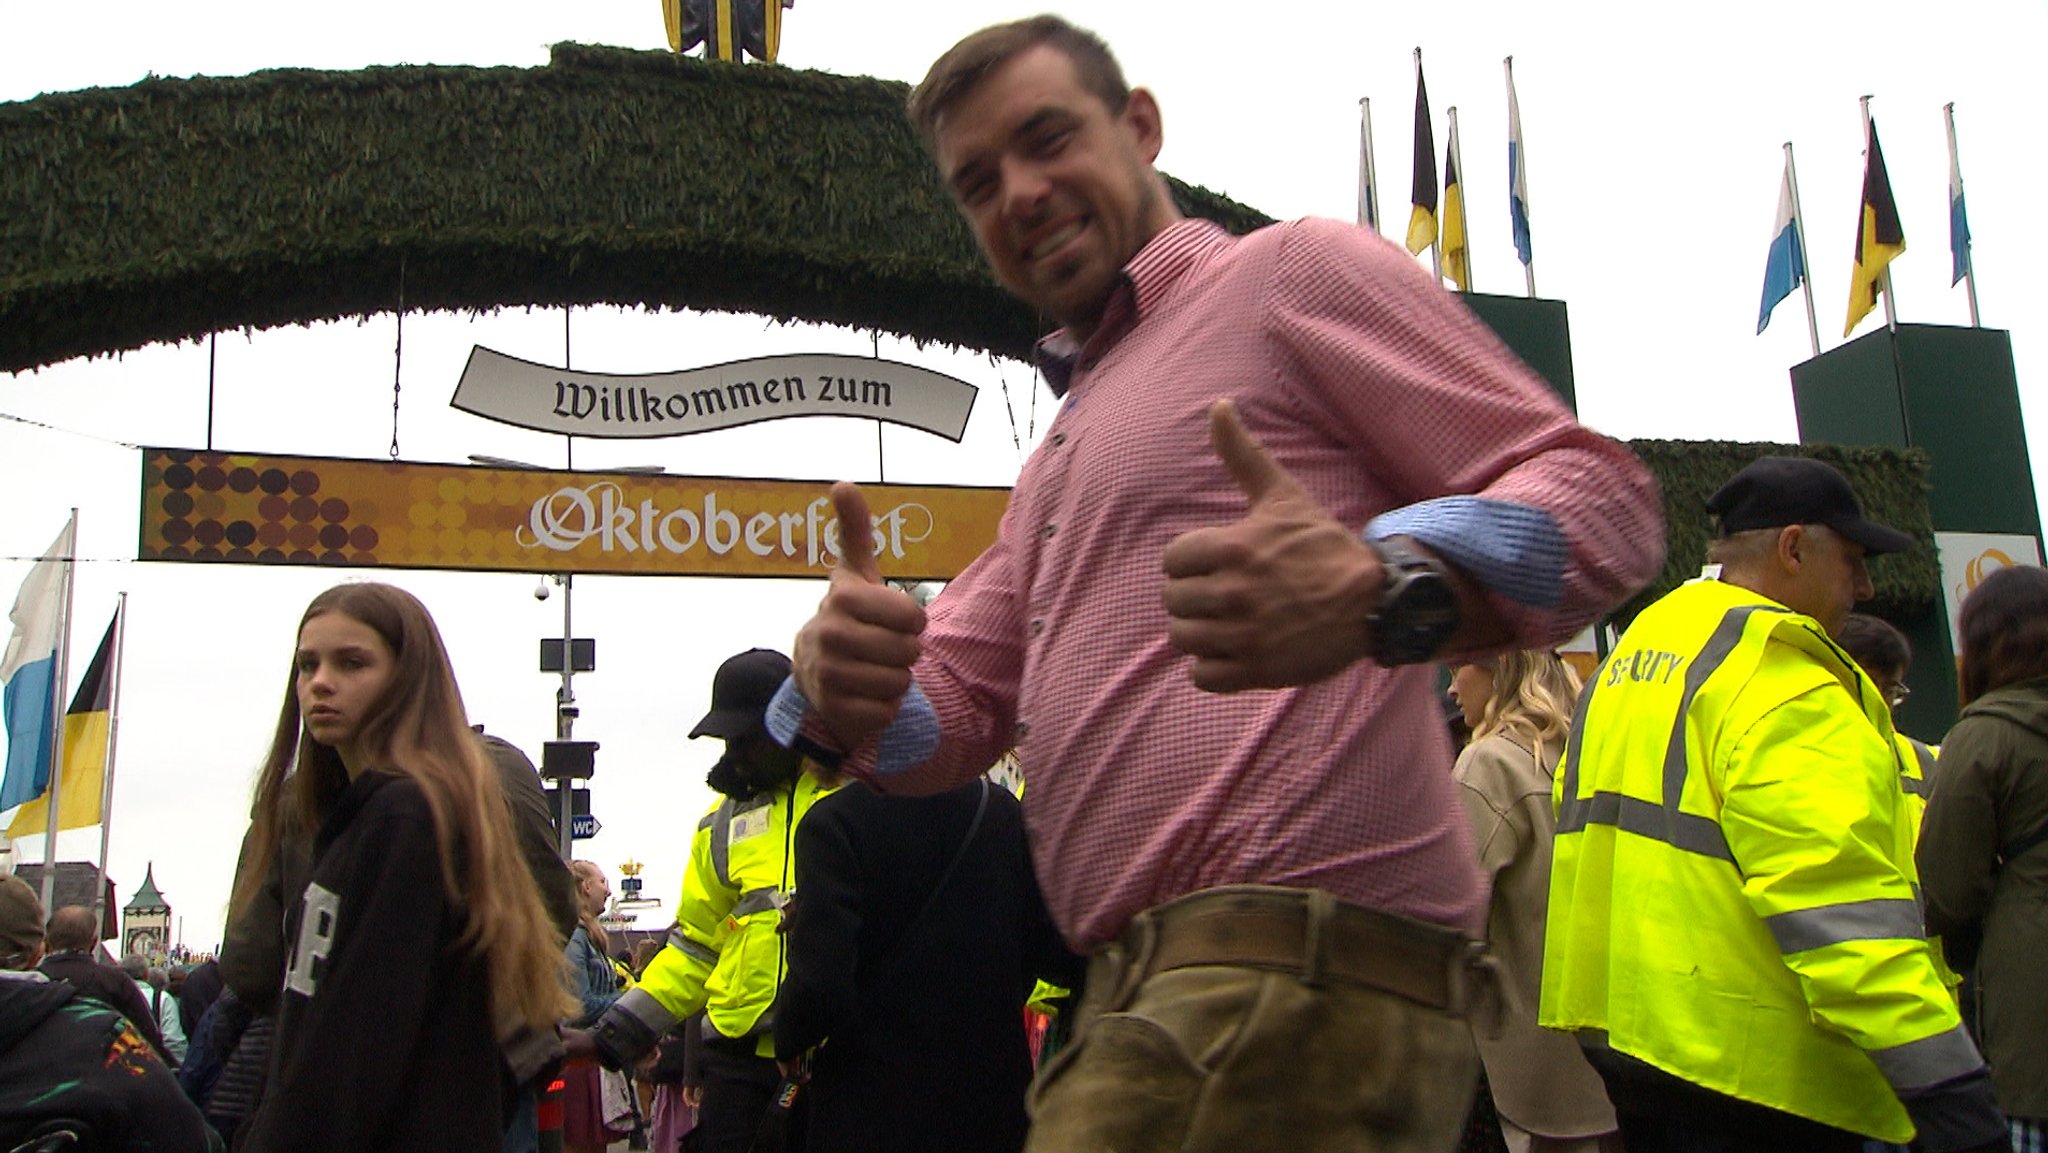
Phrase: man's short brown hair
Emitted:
{"points": [[970, 61]]}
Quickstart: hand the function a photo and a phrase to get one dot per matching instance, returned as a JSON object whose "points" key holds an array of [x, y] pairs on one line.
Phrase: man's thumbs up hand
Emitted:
{"points": [[852, 660], [1281, 597]]}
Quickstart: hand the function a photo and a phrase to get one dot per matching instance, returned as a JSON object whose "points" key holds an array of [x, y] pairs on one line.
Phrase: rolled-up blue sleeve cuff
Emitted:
{"points": [[1513, 550], [909, 741]]}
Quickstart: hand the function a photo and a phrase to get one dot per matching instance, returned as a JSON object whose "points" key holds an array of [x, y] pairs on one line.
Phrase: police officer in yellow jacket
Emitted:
{"points": [[724, 956], [1735, 933]]}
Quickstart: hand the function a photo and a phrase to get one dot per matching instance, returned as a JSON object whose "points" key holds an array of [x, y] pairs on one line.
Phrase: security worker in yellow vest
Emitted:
{"points": [[1884, 654], [724, 955], [1734, 932]]}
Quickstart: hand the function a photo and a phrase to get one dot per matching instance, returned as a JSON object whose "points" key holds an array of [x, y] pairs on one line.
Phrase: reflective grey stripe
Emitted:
{"points": [[1711, 657], [706, 821], [758, 901], [1664, 822], [1922, 785], [639, 1004], [1823, 925], [1684, 831], [1928, 1061], [721, 842], [683, 944]]}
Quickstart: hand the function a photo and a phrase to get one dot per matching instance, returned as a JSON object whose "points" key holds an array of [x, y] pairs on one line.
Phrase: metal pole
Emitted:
{"points": [[565, 718], [1948, 114], [1799, 232], [1368, 178], [99, 892], [57, 707]]}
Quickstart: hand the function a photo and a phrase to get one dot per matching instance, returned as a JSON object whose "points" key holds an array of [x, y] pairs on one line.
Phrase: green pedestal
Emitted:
{"points": [[1537, 330], [1953, 394]]}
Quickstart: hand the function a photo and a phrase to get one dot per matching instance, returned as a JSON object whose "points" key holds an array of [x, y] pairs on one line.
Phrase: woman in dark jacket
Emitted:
{"points": [[1984, 843], [419, 940]]}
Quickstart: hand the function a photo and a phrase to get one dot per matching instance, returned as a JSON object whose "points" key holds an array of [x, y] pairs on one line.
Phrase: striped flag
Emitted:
{"points": [[1785, 267], [1958, 220], [1422, 221], [1518, 175], [29, 668], [87, 725], [1879, 237], [1455, 264]]}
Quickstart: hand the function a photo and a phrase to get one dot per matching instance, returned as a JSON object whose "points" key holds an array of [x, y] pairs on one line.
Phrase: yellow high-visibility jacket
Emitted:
{"points": [[1733, 893], [1916, 779], [724, 954]]}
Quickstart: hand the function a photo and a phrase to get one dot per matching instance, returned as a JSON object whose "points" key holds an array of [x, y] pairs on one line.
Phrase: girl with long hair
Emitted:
{"points": [[420, 941], [1519, 707], [1984, 840]]}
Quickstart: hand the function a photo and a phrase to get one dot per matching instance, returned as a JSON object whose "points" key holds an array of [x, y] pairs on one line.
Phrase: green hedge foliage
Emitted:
{"points": [[174, 208], [1891, 484]]}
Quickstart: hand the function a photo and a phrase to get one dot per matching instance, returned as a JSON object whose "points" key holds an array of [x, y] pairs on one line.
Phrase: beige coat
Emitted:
{"points": [[1540, 1079]]}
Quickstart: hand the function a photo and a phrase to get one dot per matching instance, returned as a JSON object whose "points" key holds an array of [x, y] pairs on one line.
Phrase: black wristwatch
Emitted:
{"points": [[1418, 611]]}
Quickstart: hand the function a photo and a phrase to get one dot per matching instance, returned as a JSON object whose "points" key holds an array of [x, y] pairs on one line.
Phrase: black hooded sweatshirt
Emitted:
{"points": [[67, 1058]]}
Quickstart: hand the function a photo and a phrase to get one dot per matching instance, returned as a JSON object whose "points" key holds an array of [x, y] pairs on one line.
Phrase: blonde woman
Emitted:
{"points": [[1519, 708], [420, 939]]}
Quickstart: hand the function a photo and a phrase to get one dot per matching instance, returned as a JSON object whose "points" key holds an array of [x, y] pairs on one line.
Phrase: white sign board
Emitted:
{"points": [[1968, 557], [595, 404]]}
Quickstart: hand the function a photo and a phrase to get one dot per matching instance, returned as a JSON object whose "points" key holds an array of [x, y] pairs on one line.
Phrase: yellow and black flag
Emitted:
{"points": [[1453, 248], [1879, 236], [1422, 221], [87, 724], [729, 29]]}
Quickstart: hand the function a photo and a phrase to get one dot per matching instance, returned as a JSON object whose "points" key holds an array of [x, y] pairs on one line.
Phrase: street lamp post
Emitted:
{"points": [[564, 759]]}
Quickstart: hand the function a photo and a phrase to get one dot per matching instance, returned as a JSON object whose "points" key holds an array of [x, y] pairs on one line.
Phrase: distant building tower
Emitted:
{"points": [[146, 919]]}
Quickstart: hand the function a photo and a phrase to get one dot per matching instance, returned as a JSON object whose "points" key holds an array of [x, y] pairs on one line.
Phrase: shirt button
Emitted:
{"points": [[1046, 532], [1058, 439], [1023, 729], [1037, 626]]}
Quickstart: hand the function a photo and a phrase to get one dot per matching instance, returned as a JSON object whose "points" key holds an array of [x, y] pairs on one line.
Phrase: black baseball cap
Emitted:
{"points": [[740, 692], [1775, 491]]}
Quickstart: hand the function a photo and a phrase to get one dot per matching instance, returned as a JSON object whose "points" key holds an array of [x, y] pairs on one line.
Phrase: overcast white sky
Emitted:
{"points": [[1654, 139]]}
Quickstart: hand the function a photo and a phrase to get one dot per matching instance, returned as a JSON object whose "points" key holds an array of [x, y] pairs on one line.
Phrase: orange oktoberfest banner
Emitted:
{"points": [[245, 508]]}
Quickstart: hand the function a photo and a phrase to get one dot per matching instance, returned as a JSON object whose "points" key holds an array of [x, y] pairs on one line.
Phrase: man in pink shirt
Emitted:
{"points": [[1288, 473]]}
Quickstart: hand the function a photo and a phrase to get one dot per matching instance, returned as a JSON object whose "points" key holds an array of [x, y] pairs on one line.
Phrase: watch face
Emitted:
{"points": [[1418, 612]]}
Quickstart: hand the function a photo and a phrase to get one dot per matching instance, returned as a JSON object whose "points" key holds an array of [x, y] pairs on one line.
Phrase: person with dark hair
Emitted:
{"points": [[74, 939], [68, 1062], [1733, 932], [420, 941], [1287, 462], [201, 987], [725, 957], [915, 938], [1984, 844]]}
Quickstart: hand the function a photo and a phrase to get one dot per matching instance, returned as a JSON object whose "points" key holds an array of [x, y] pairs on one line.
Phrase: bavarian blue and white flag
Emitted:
{"points": [[29, 669], [1518, 176], [1785, 267], [1958, 221]]}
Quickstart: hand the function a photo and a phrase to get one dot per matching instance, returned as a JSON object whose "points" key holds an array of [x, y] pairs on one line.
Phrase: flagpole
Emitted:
{"points": [[1948, 114], [99, 892], [1464, 217], [1522, 161], [57, 707], [1891, 315], [1436, 251], [1368, 179], [1805, 260]]}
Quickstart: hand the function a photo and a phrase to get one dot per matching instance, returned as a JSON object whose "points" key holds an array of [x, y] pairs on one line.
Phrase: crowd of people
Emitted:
{"points": [[1683, 906]]}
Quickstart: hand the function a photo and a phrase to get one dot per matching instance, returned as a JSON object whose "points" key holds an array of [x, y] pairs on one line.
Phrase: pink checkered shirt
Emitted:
{"points": [[1376, 390]]}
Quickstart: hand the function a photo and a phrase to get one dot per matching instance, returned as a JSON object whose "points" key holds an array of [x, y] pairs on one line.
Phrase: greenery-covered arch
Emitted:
{"points": [[173, 208]]}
